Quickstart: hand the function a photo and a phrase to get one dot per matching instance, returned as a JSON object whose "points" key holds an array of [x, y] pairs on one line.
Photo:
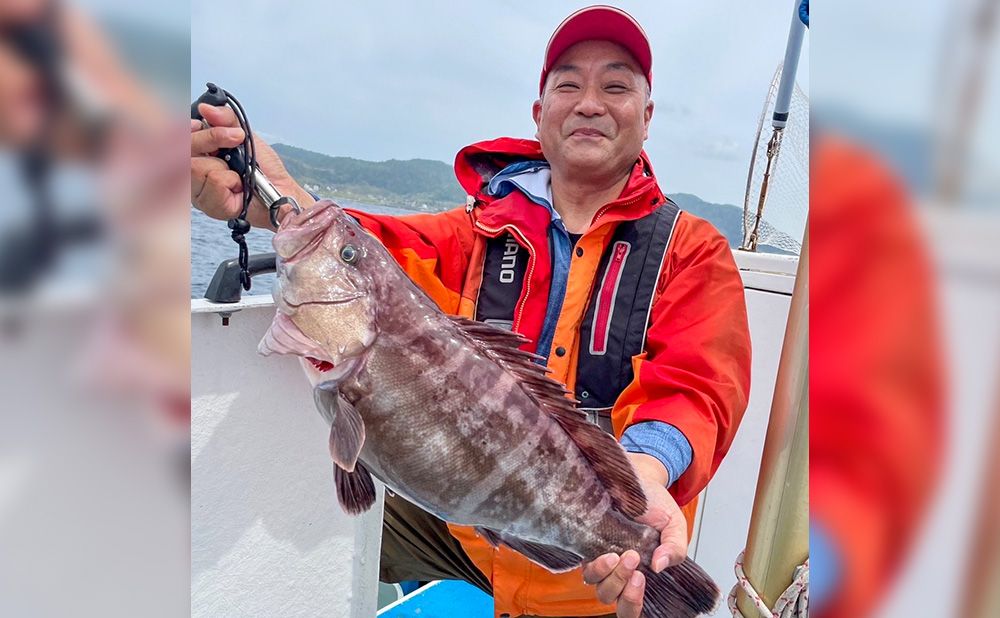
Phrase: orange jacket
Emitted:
{"points": [[694, 373], [876, 382]]}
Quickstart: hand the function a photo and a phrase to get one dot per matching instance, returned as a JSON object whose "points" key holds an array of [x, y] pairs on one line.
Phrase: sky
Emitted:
{"points": [[900, 67], [400, 80]]}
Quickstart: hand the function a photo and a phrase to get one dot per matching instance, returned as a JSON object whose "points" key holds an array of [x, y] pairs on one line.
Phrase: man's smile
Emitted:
{"points": [[587, 132]]}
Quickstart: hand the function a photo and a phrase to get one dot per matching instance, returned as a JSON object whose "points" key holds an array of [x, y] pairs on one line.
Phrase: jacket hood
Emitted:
{"points": [[475, 166]]}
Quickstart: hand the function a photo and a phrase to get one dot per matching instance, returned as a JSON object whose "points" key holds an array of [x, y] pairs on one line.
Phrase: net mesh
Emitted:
{"points": [[786, 202]]}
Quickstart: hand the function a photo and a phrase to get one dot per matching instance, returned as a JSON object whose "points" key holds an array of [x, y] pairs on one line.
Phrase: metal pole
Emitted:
{"points": [[778, 540], [782, 107], [969, 61], [981, 597], [789, 67]]}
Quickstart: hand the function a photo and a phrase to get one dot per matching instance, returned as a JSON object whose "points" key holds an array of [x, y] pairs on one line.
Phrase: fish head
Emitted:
{"points": [[325, 299]]}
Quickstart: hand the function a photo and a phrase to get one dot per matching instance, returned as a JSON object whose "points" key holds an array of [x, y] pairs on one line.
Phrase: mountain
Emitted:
{"points": [[728, 219], [408, 184], [422, 184]]}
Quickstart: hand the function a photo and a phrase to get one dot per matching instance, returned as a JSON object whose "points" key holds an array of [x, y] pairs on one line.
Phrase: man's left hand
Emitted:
{"points": [[615, 575]]}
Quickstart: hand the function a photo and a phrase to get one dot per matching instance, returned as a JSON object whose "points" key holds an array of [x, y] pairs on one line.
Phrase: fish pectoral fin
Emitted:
{"points": [[347, 436], [555, 559], [327, 401], [355, 490], [347, 428]]}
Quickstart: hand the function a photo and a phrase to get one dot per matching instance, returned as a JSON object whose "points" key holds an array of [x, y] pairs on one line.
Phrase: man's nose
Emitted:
{"points": [[590, 102]]}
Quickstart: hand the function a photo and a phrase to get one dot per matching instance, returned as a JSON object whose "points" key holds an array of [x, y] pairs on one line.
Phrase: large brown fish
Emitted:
{"points": [[450, 414]]}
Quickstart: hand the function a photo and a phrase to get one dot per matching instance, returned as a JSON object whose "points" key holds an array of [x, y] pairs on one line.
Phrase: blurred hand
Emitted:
{"points": [[615, 575], [21, 96], [216, 190]]}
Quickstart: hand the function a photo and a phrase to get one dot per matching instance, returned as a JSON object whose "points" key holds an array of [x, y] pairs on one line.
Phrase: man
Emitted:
{"points": [[570, 241]]}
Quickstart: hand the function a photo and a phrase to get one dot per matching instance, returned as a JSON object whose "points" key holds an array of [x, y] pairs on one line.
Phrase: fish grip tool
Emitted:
{"points": [[243, 160]]}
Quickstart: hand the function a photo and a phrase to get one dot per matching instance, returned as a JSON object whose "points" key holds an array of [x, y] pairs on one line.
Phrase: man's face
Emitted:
{"points": [[594, 112]]}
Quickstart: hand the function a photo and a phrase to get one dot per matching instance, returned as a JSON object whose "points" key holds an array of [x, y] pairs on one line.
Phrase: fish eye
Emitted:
{"points": [[350, 254]]}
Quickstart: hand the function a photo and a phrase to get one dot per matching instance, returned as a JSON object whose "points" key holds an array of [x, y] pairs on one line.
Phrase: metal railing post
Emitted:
{"points": [[778, 540]]}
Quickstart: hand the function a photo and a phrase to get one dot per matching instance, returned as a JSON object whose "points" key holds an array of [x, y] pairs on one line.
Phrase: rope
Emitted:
{"points": [[793, 602]]}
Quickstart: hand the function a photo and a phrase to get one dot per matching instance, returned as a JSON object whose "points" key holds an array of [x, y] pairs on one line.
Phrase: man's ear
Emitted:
{"points": [[536, 113], [647, 116]]}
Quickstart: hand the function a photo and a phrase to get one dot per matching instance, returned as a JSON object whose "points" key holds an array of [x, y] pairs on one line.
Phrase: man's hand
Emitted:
{"points": [[22, 99], [615, 576], [216, 190]]}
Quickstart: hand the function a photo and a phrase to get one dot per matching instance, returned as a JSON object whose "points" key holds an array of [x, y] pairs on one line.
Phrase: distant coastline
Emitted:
{"points": [[394, 187]]}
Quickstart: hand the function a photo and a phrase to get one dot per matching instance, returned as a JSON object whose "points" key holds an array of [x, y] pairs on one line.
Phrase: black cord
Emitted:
{"points": [[240, 226]]}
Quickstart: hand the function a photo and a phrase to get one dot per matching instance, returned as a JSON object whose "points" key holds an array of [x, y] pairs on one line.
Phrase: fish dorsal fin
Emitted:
{"points": [[601, 450]]}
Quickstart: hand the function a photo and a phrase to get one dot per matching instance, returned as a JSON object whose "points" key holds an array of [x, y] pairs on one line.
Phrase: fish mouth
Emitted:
{"points": [[285, 337], [289, 303], [289, 307], [321, 366]]}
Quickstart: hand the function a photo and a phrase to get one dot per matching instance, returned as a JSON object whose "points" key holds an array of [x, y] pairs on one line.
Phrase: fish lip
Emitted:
{"points": [[306, 303]]}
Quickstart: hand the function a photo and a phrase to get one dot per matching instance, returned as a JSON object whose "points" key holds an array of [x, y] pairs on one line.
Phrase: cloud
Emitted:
{"points": [[672, 108], [384, 80], [718, 148]]}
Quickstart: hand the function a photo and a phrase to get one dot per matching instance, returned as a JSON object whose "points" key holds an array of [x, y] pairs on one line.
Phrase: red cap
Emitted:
{"points": [[599, 23]]}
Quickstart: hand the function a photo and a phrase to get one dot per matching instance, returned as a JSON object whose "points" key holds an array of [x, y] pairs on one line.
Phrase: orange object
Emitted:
{"points": [[876, 385], [694, 372]]}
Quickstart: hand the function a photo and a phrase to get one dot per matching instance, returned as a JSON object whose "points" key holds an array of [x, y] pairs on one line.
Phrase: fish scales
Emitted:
{"points": [[489, 482], [448, 413]]}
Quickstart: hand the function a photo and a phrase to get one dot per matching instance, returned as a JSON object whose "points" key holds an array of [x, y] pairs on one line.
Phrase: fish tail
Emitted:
{"points": [[681, 591]]}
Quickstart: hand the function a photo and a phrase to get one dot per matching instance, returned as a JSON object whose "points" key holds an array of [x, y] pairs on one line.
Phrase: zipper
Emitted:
{"points": [[604, 209], [531, 264], [531, 249]]}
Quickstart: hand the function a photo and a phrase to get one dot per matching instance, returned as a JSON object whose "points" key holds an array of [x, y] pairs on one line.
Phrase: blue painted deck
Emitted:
{"points": [[442, 599]]}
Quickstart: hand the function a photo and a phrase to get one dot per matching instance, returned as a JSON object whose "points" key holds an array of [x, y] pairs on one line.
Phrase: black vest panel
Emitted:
{"points": [[503, 279], [614, 327]]}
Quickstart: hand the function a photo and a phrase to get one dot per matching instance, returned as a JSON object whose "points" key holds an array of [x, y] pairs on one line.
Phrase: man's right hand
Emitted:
{"points": [[22, 99], [216, 190]]}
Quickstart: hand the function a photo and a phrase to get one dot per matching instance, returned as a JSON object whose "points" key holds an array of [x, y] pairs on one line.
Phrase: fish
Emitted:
{"points": [[453, 415]]}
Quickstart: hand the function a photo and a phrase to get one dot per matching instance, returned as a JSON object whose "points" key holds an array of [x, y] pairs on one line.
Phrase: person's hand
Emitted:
{"points": [[615, 576], [22, 99], [76, 125], [216, 190]]}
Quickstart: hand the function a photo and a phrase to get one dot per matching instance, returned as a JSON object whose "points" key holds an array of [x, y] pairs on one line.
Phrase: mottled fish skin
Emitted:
{"points": [[449, 427], [459, 435]]}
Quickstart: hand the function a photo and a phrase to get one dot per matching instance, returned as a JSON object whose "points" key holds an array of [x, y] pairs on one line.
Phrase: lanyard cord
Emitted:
{"points": [[240, 226]]}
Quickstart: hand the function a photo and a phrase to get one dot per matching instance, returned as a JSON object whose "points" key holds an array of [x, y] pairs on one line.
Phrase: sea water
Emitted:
{"points": [[211, 244]]}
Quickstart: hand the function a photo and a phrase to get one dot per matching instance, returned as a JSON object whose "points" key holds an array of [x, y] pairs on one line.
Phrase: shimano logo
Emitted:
{"points": [[509, 260]]}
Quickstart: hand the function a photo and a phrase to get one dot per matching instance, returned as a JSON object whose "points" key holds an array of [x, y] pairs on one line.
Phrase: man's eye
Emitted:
{"points": [[616, 88], [567, 86]]}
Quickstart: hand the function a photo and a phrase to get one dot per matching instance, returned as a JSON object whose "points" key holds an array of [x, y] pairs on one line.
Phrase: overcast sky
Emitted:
{"points": [[381, 80]]}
